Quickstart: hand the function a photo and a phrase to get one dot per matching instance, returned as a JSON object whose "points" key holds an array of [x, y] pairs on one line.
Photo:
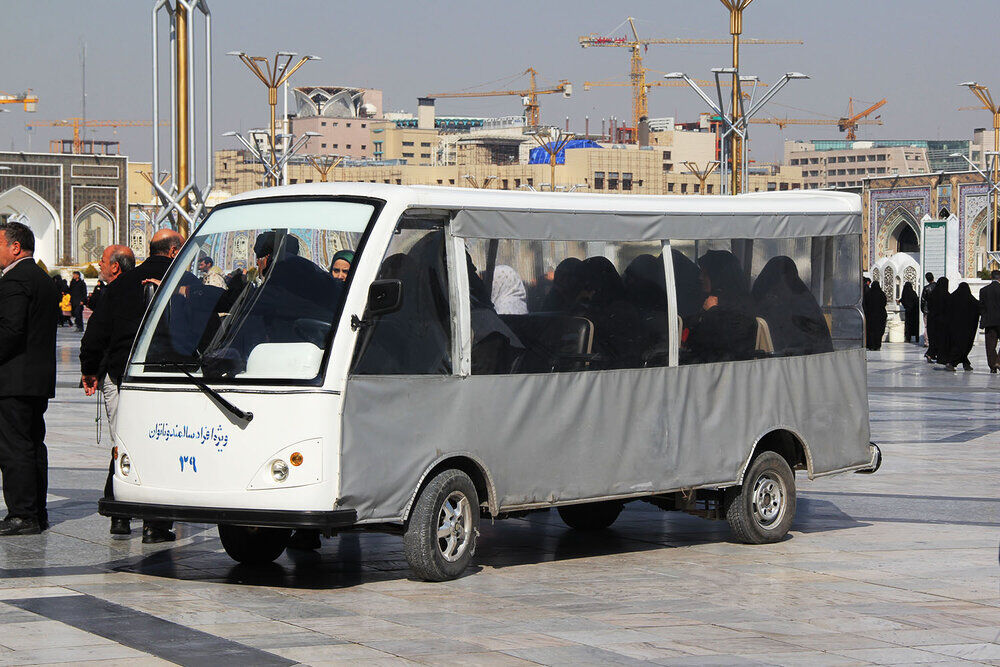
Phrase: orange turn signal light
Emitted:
{"points": [[114, 452], [295, 459]]}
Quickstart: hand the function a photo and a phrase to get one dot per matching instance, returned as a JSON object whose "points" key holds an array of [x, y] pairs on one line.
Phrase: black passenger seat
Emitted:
{"points": [[553, 342]]}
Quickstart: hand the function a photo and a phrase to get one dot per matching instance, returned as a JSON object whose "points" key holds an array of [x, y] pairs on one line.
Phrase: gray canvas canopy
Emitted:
{"points": [[596, 226]]}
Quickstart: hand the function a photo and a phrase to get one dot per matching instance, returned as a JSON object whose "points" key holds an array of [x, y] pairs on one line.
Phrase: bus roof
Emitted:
{"points": [[485, 213]]}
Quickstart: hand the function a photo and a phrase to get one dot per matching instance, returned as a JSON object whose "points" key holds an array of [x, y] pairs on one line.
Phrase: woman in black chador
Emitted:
{"points": [[725, 329], [962, 310], [937, 321], [794, 318], [873, 304], [911, 304]]}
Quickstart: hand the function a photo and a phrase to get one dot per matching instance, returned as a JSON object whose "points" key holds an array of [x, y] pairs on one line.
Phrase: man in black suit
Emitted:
{"points": [[29, 313], [77, 297], [989, 310], [108, 341]]}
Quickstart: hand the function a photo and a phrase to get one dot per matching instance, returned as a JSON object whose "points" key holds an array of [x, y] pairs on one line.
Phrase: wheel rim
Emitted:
{"points": [[768, 500], [454, 526]]}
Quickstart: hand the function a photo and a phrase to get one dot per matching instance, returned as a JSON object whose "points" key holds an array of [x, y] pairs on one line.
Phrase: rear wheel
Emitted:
{"points": [[761, 510], [440, 538], [590, 516], [252, 545]]}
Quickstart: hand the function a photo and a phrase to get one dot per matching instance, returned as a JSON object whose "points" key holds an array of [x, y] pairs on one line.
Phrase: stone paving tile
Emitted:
{"points": [[967, 651], [892, 656], [72, 654], [491, 659]]}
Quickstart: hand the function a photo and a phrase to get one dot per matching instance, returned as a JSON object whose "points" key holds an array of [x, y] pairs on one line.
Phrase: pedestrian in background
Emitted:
{"points": [[108, 341], [873, 303], [989, 310], [937, 320], [962, 322], [77, 297], [911, 320], [924, 293], [28, 317]]}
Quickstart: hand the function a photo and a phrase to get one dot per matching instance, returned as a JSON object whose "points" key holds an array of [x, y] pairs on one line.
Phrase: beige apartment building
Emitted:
{"points": [[418, 146], [848, 167]]}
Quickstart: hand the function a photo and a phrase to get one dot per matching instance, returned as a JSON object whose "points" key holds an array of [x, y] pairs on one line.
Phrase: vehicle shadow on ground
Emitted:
{"points": [[351, 559]]}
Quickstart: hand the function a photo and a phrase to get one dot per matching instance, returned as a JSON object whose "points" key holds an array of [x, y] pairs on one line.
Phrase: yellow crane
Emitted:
{"points": [[26, 99], [637, 46], [529, 96], [78, 123], [587, 85], [848, 123]]}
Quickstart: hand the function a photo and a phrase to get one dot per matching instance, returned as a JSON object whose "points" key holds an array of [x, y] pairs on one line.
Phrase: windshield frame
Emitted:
{"points": [[317, 381]]}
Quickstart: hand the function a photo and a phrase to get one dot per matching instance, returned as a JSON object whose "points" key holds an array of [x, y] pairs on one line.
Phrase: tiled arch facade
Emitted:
{"points": [[888, 202]]}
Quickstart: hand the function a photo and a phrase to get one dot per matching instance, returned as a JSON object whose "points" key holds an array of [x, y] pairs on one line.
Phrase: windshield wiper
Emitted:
{"points": [[196, 381]]}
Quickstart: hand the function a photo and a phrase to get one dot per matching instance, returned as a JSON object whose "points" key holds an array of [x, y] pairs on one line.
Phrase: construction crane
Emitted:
{"points": [[848, 123], [529, 97], [587, 85], [637, 46], [29, 101], [77, 123]]}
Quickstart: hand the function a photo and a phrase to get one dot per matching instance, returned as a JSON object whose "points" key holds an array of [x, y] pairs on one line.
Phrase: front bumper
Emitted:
{"points": [[237, 517]]}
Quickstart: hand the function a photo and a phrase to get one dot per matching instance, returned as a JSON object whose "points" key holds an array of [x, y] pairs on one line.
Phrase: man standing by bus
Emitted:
{"points": [[29, 313], [109, 338]]}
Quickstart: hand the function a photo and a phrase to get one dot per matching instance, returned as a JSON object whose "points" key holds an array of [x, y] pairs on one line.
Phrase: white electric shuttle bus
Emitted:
{"points": [[493, 353]]}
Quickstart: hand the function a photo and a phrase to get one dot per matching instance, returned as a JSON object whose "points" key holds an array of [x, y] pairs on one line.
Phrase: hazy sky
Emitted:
{"points": [[912, 52]]}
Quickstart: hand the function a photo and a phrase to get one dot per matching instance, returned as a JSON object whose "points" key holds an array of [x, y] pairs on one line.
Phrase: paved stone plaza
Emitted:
{"points": [[899, 567]]}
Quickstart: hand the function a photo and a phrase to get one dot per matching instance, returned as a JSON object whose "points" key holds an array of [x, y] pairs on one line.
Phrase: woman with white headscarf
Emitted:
{"points": [[508, 295]]}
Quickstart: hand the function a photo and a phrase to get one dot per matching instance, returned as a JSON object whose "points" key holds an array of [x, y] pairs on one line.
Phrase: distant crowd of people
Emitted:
{"points": [[951, 319]]}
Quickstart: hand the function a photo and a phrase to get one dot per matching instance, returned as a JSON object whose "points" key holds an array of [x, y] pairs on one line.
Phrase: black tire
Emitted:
{"points": [[761, 510], [590, 516], [440, 538], [251, 545]]}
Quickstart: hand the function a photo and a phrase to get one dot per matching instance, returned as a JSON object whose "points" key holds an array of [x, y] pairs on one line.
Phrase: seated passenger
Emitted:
{"points": [[646, 289], [290, 297], [494, 345], [792, 314], [687, 283], [341, 264], [567, 282], [508, 293], [725, 329], [617, 331]]}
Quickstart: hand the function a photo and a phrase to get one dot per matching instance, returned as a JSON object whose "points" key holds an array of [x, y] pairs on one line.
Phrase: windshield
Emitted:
{"points": [[254, 294]]}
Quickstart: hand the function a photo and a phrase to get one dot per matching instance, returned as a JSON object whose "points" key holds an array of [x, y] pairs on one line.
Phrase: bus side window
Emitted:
{"points": [[544, 307], [416, 339], [786, 292], [718, 313]]}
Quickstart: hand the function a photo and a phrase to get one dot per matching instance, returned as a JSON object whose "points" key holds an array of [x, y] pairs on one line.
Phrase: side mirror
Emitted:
{"points": [[384, 297]]}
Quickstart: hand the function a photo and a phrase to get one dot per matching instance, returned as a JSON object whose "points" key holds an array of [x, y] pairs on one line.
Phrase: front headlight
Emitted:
{"points": [[124, 465], [279, 470]]}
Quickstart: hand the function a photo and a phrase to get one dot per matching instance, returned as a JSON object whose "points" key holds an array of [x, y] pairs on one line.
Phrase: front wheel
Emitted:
{"points": [[761, 510], [252, 545], [440, 538]]}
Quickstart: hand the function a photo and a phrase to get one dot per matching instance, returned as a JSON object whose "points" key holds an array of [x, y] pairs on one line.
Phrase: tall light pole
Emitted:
{"points": [[272, 164], [736, 147], [552, 148], [736, 130], [273, 75], [324, 164], [982, 93], [702, 174]]}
